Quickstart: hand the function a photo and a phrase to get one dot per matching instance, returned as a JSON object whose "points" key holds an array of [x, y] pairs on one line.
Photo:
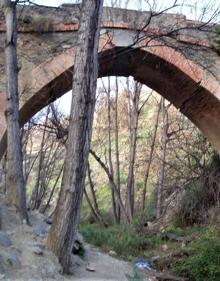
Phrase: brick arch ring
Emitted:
{"points": [[188, 86]]}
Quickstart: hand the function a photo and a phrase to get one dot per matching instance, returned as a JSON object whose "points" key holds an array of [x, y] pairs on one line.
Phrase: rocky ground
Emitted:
{"points": [[23, 255]]}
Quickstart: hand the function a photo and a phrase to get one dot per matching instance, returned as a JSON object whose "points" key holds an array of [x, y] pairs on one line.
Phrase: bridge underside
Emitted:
{"points": [[195, 101]]}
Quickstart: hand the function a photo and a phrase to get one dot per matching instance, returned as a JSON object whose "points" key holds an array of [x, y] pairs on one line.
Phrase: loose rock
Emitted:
{"points": [[37, 250], [112, 253], [5, 240], [90, 268], [9, 260], [41, 229]]}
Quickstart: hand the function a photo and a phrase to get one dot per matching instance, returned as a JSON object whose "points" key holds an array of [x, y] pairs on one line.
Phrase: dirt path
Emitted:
{"points": [[105, 267], [27, 258]]}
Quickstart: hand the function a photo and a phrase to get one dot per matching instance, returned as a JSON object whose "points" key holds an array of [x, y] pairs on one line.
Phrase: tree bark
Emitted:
{"points": [[117, 166], [162, 159], [94, 207], [16, 192], [154, 134], [66, 217], [35, 193], [53, 190], [134, 116], [108, 92], [112, 185]]}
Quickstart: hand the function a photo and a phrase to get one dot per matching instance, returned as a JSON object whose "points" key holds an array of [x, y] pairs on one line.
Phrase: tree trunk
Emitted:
{"points": [[162, 159], [112, 184], [48, 174], [117, 166], [108, 92], [134, 116], [66, 217], [94, 207], [154, 134], [3, 174], [35, 193], [53, 190], [16, 192]]}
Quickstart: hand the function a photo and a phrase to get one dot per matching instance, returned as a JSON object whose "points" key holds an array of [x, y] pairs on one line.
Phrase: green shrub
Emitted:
{"points": [[195, 231], [104, 199], [175, 230], [122, 239], [194, 204], [202, 262]]}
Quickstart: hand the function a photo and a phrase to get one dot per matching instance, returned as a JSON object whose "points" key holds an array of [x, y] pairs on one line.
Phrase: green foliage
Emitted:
{"points": [[202, 259], [139, 222], [203, 262], [178, 231], [196, 230], [195, 202], [123, 239], [150, 210], [103, 195]]}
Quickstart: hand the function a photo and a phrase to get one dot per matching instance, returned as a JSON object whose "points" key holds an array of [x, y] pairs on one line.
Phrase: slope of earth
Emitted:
{"points": [[23, 255]]}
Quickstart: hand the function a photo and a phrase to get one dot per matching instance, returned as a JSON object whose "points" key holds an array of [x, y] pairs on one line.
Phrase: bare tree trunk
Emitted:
{"points": [[94, 214], [134, 116], [16, 192], [3, 174], [154, 134], [110, 150], [112, 185], [66, 218], [24, 142], [162, 159], [35, 193], [53, 190], [94, 208], [29, 161], [117, 169], [47, 175]]}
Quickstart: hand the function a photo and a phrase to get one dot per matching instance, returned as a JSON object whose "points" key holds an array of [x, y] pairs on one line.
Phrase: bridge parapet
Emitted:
{"points": [[46, 32], [66, 18]]}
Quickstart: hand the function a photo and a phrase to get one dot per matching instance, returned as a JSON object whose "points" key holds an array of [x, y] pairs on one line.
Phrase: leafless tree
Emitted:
{"points": [[66, 218], [16, 192], [93, 204], [150, 157], [162, 158]]}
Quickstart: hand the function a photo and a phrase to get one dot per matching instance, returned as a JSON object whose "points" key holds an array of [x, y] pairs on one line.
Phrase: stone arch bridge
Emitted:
{"points": [[167, 52]]}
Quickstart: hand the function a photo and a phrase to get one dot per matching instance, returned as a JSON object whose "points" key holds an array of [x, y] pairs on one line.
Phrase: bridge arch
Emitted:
{"points": [[185, 84]]}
